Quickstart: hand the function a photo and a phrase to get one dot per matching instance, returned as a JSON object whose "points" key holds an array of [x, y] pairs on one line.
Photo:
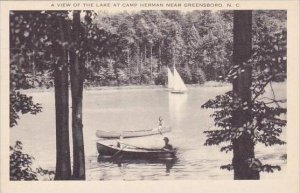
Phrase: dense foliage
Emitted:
{"points": [[128, 48], [267, 118], [21, 165], [132, 48]]}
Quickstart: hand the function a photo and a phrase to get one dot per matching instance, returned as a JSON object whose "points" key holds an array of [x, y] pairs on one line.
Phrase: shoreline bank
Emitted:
{"points": [[209, 84], [131, 87]]}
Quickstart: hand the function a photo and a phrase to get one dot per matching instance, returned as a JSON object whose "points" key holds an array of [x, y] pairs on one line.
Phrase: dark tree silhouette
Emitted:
{"points": [[63, 163], [77, 65], [243, 147], [244, 116]]}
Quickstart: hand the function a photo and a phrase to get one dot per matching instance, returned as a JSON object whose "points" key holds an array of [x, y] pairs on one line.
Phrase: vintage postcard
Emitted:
{"points": [[150, 96]]}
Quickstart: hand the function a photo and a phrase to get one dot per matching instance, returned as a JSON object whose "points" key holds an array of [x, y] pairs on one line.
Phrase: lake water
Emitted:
{"points": [[134, 109]]}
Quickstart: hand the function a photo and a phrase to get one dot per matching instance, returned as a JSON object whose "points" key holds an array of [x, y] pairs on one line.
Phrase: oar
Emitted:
{"points": [[137, 147], [133, 146], [118, 152]]}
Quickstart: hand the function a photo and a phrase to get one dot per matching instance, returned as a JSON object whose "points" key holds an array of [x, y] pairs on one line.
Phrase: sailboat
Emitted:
{"points": [[175, 83]]}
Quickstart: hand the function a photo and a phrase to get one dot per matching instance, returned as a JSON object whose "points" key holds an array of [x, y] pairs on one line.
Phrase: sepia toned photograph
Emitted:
{"points": [[147, 95]]}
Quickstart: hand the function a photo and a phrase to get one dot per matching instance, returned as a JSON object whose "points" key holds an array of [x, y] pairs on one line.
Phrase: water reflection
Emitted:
{"points": [[121, 163], [169, 165], [137, 110], [176, 105]]}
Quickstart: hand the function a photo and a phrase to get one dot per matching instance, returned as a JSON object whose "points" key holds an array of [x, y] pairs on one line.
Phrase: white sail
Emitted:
{"points": [[170, 79], [179, 85]]}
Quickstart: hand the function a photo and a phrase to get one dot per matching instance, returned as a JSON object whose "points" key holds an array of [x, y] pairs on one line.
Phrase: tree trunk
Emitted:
{"points": [[145, 54], [33, 66], [63, 163], [77, 66], [128, 65], [173, 57], [159, 58], [32, 59], [138, 59], [243, 147], [141, 64], [151, 67]]}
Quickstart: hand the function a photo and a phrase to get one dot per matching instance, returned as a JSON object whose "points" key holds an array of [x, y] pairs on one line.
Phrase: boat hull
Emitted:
{"points": [[131, 134], [178, 92], [107, 151]]}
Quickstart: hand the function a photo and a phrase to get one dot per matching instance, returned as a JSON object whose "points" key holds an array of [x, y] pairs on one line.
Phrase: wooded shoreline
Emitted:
{"points": [[132, 87]]}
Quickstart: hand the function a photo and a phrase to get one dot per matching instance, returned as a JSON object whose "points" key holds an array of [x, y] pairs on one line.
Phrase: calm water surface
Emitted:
{"points": [[134, 109]]}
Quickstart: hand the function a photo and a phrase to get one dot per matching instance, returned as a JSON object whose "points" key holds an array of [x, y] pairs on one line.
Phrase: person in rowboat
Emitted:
{"points": [[167, 146], [160, 122], [119, 142]]}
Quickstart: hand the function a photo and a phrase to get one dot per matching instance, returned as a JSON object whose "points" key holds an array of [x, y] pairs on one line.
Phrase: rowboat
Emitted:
{"points": [[129, 134], [126, 151]]}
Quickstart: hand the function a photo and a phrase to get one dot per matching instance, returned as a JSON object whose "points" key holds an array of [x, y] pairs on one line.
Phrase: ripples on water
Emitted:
{"points": [[134, 110]]}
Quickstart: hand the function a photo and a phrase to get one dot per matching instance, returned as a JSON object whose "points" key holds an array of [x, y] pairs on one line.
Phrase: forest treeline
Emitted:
{"points": [[136, 48]]}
